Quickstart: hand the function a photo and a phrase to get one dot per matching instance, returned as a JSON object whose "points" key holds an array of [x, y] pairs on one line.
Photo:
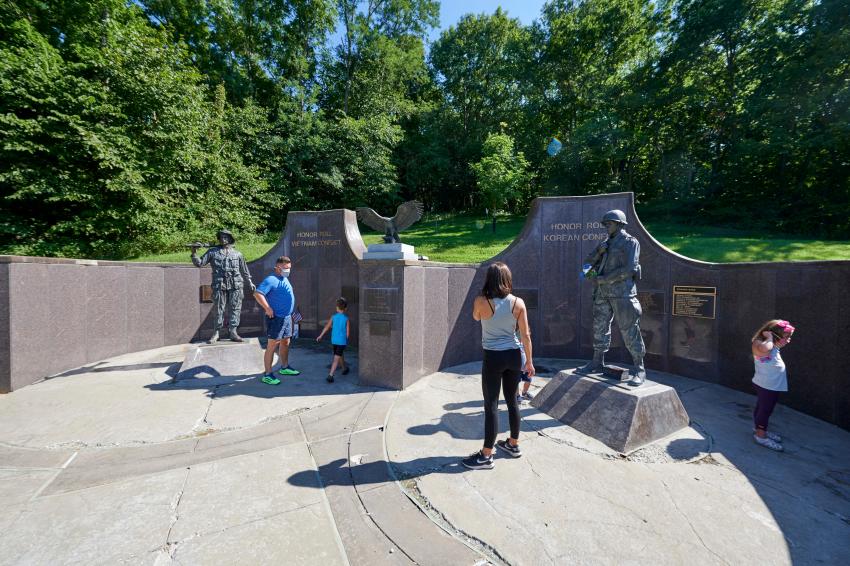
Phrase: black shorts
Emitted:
{"points": [[338, 350]]}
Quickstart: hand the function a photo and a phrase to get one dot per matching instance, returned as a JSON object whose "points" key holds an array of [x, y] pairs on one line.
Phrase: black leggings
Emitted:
{"points": [[500, 367]]}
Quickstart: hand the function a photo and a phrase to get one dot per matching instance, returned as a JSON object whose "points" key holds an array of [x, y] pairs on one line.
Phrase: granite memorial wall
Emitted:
{"points": [[412, 318], [60, 314], [697, 321]]}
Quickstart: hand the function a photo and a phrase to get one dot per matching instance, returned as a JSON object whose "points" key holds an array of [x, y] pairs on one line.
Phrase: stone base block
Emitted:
{"points": [[624, 418], [390, 251], [223, 362]]}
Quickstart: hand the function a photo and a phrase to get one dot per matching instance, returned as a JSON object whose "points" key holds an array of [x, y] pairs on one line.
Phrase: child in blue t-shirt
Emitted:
{"points": [[340, 328]]}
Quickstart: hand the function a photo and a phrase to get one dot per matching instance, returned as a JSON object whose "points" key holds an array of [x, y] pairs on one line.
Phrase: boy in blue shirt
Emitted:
{"points": [[277, 299], [340, 328]]}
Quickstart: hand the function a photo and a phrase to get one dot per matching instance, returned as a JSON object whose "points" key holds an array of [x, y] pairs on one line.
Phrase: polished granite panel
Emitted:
{"points": [[182, 304], [29, 318], [464, 334], [415, 332], [65, 330], [381, 357], [145, 307], [106, 312], [5, 337], [435, 317], [803, 295]]}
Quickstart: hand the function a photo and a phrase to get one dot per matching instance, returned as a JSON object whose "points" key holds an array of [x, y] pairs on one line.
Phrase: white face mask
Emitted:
{"points": [[285, 272]]}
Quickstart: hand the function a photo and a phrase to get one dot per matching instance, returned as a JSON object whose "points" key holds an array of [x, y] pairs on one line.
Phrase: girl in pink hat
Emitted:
{"points": [[770, 377]]}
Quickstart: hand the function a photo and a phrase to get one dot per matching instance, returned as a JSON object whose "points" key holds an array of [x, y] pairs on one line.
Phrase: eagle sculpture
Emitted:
{"points": [[406, 215]]}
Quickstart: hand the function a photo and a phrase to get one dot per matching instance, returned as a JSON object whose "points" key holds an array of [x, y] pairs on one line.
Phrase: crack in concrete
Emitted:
{"points": [[169, 546], [415, 495], [203, 424], [173, 545], [690, 524], [580, 448], [530, 535], [357, 493]]}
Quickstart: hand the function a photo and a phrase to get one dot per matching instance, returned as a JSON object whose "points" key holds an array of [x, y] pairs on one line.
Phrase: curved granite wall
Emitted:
{"points": [[711, 344], [325, 248], [412, 318], [59, 314]]}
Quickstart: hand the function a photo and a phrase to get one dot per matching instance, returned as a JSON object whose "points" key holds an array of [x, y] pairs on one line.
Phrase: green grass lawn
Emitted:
{"points": [[251, 251], [470, 239]]}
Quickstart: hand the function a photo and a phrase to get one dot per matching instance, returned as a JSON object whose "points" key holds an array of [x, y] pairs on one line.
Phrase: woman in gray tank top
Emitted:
{"points": [[500, 314]]}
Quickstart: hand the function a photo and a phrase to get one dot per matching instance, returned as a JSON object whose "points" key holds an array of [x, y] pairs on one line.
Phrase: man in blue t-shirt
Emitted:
{"points": [[277, 299]]}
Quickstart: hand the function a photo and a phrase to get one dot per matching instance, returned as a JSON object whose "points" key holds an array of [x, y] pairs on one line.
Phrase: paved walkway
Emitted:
{"points": [[119, 463]]}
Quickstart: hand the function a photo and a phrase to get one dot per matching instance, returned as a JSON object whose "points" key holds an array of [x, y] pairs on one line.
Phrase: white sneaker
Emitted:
{"points": [[768, 443], [771, 435]]}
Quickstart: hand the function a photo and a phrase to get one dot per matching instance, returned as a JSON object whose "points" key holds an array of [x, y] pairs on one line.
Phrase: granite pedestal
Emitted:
{"points": [[222, 363], [621, 416], [390, 251]]}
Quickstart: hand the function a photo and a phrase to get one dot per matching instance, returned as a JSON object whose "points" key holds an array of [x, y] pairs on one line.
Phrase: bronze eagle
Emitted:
{"points": [[406, 215]]}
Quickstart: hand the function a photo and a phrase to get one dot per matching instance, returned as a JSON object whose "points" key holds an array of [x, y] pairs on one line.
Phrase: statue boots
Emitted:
{"points": [[235, 337], [214, 338], [595, 365], [638, 373]]}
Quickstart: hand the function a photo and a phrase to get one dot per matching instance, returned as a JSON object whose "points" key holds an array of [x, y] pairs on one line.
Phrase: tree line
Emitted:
{"points": [[132, 126]]}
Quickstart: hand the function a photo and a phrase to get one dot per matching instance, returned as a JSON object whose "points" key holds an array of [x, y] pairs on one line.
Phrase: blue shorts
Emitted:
{"points": [[523, 375], [279, 327]]}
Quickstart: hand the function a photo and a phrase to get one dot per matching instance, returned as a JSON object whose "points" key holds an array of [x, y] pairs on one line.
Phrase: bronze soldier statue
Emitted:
{"points": [[615, 266], [229, 274]]}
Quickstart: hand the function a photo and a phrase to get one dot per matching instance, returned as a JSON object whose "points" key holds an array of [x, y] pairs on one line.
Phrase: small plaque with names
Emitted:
{"points": [[380, 301], [379, 327], [206, 293], [693, 301]]}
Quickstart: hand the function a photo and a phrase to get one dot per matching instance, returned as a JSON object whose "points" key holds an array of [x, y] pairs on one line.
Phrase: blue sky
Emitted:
{"points": [[452, 10]]}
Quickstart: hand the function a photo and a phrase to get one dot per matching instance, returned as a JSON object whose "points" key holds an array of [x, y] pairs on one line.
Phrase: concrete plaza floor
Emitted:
{"points": [[121, 463]]}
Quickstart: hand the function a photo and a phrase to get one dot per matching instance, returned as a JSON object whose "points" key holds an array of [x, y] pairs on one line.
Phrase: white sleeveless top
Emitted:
{"points": [[770, 371], [499, 331]]}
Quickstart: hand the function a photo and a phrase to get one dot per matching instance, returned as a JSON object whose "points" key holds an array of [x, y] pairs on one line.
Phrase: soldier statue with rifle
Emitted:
{"points": [[614, 266], [229, 274]]}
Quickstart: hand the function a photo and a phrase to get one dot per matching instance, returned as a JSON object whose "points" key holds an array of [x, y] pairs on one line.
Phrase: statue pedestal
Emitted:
{"points": [[622, 417], [390, 251], [224, 362]]}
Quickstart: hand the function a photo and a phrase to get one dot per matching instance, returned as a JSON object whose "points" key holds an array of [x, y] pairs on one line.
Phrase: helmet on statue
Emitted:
{"points": [[615, 216]]}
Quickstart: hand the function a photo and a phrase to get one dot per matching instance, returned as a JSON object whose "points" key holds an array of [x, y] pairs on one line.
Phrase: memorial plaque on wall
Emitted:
{"points": [[379, 327], [206, 293], [694, 302], [380, 301]]}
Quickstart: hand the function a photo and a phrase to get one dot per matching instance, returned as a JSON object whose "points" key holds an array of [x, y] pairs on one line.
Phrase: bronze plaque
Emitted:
{"points": [[693, 301], [379, 327], [206, 293], [381, 301]]}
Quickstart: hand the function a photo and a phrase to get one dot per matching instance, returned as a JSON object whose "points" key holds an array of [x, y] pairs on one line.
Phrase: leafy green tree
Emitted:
{"points": [[260, 49], [479, 64], [111, 144], [502, 174]]}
